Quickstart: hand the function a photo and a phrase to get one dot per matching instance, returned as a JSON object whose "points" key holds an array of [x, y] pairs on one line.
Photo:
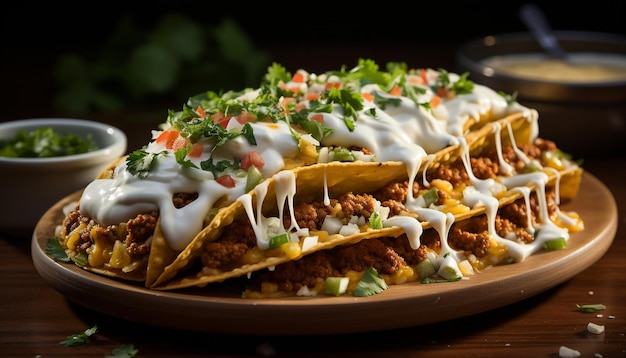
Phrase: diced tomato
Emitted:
{"points": [[226, 181], [250, 159], [443, 92], [328, 86], [434, 102], [200, 112], [367, 96], [285, 103], [178, 143], [298, 77], [300, 106], [318, 117], [220, 119], [396, 91], [196, 150], [423, 75], [168, 137], [245, 117], [312, 96], [416, 80]]}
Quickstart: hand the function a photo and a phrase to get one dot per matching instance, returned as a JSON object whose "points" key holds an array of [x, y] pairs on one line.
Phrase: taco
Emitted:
{"points": [[151, 215], [453, 221]]}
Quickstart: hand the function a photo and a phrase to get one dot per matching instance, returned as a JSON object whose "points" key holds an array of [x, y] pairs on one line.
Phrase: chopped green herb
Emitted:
{"points": [[140, 162], [125, 351], [370, 284], [80, 339], [56, 251], [45, 143]]}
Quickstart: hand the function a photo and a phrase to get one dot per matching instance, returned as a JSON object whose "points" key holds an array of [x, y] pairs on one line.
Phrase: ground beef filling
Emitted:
{"points": [[387, 255], [134, 233]]}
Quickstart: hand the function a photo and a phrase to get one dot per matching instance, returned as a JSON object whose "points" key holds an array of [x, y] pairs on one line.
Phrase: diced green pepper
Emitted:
{"points": [[555, 244], [278, 240], [336, 285]]}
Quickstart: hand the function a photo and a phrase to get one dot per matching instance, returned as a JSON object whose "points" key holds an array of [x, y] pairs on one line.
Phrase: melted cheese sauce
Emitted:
{"points": [[580, 67]]}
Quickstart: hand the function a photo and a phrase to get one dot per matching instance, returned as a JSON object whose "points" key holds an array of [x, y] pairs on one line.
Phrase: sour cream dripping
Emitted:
{"points": [[392, 125]]}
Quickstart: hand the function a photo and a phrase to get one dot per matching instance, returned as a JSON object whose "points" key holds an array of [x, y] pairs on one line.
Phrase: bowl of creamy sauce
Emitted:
{"points": [[579, 67], [578, 98]]}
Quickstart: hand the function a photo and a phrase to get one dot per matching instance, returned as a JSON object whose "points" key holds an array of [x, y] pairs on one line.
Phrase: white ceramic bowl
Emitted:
{"points": [[585, 117], [29, 186]]}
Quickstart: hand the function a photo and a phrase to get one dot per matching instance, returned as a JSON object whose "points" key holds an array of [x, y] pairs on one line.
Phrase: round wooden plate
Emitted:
{"points": [[219, 308]]}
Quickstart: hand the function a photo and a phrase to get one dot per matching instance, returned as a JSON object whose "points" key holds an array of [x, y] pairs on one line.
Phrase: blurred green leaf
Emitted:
{"points": [[151, 68], [178, 58], [180, 36]]}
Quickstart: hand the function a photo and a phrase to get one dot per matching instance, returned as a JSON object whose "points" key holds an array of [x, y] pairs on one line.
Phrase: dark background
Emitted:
{"points": [[316, 36]]}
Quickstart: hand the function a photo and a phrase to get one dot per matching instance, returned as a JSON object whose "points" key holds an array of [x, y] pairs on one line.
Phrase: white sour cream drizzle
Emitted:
{"points": [[408, 133]]}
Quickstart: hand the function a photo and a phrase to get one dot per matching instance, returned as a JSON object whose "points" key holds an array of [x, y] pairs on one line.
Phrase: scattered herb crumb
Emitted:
{"points": [[83, 338], [125, 351]]}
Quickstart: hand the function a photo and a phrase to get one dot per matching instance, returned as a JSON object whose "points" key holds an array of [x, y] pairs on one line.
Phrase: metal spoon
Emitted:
{"points": [[535, 20]]}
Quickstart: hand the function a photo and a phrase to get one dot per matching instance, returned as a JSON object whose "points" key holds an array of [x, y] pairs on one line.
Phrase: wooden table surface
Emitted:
{"points": [[36, 318]]}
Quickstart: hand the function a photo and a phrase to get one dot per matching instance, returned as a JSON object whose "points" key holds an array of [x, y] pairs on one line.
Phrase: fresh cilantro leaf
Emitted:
{"points": [[218, 168], [350, 101], [382, 102], [370, 284], [80, 339], [125, 351], [56, 251], [180, 155], [509, 98], [140, 162], [463, 85]]}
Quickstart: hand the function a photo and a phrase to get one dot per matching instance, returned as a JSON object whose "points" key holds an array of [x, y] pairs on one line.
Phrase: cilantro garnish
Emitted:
{"points": [[218, 168], [56, 251], [80, 339], [83, 338], [370, 284], [509, 98], [350, 101], [382, 102], [140, 162], [461, 86], [125, 351], [45, 143]]}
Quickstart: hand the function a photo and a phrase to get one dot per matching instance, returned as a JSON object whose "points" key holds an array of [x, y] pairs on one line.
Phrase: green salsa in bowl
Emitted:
{"points": [[42, 160]]}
